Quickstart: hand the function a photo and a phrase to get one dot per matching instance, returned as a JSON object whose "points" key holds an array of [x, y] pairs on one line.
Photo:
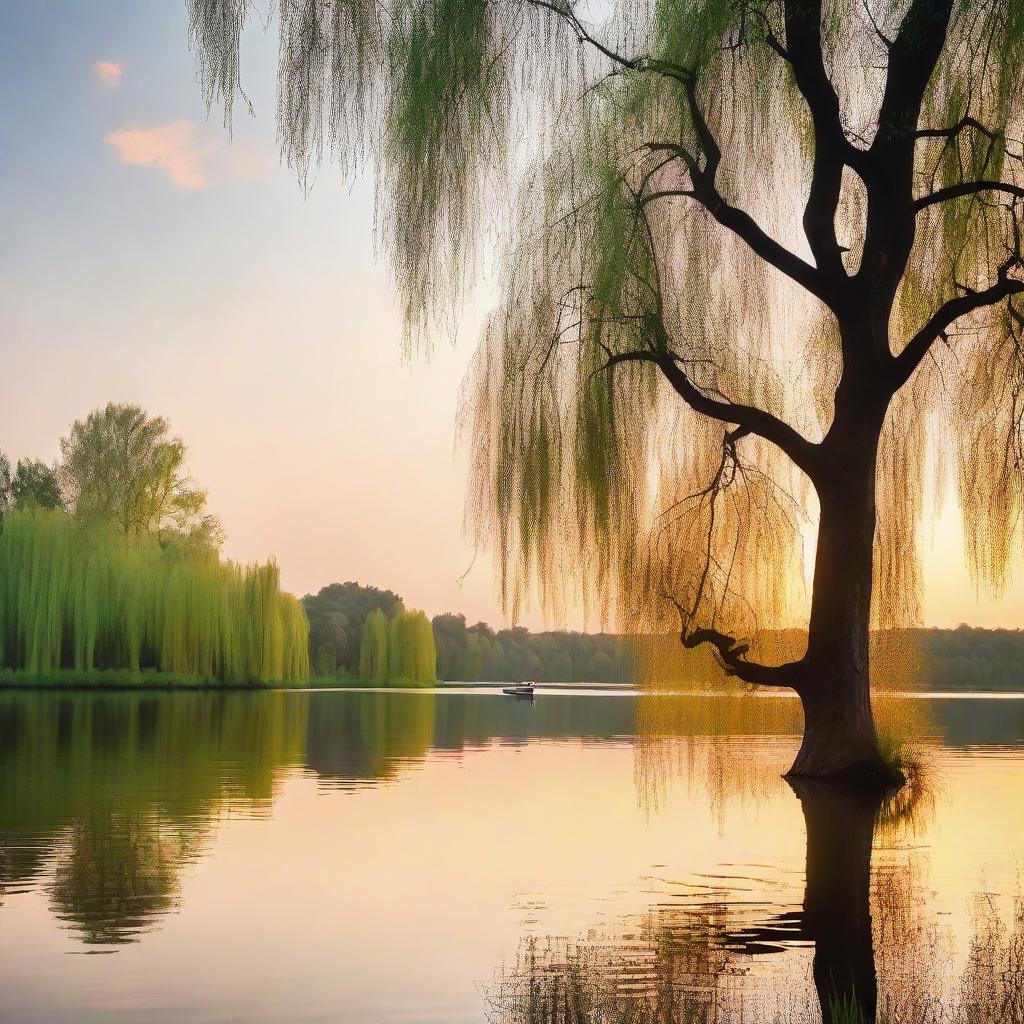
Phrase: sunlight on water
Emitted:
{"points": [[465, 856]]}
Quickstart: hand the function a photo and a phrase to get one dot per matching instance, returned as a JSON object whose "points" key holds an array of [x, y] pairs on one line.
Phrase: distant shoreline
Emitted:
{"points": [[457, 685], [159, 685], [83, 686]]}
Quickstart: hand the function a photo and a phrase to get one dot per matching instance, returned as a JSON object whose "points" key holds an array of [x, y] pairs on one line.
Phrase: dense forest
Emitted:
{"points": [[466, 653], [337, 615], [969, 658]]}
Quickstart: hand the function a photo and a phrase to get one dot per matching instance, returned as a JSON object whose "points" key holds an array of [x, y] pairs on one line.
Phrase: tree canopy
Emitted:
{"points": [[336, 616], [727, 218], [398, 650], [81, 598], [122, 466], [32, 482], [476, 653]]}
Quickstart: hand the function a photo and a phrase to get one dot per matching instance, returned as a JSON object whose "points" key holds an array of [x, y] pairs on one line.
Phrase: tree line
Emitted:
{"points": [[467, 653], [348, 637], [969, 658], [964, 658]]}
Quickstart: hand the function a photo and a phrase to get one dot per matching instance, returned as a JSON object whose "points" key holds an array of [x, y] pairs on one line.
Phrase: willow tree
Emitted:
{"points": [[761, 264], [80, 598], [373, 650], [398, 650]]}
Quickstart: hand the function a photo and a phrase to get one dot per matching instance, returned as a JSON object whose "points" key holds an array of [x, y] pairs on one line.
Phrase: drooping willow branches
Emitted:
{"points": [[676, 199], [89, 598], [398, 650]]}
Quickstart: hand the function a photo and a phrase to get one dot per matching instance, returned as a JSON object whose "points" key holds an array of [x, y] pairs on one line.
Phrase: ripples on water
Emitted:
{"points": [[467, 857]]}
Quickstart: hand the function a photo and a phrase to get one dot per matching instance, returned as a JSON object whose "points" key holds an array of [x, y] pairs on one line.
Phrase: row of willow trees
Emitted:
{"points": [[398, 650], [110, 569], [83, 599]]}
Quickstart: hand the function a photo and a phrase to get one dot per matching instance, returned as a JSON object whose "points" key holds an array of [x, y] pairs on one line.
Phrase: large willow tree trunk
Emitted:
{"points": [[839, 739]]}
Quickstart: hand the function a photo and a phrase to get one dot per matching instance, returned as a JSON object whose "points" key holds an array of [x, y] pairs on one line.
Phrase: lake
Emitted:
{"points": [[464, 856]]}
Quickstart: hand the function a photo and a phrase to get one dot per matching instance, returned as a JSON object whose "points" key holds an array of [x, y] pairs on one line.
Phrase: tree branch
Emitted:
{"points": [[882, 37], [904, 365], [888, 166], [732, 656], [748, 417], [966, 188], [738, 221], [912, 58], [831, 147], [954, 130], [744, 226], [642, 63], [665, 193]]}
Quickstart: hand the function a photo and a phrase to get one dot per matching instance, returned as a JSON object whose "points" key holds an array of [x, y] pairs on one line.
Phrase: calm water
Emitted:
{"points": [[463, 856]]}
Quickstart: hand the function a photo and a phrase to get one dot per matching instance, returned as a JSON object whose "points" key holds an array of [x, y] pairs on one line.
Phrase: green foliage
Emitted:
{"points": [[336, 615], [370, 735], [690, 32], [448, 94], [87, 596], [845, 1009], [478, 653], [33, 482], [565, 149], [960, 660], [111, 795], [121, 466], [373, 651], [398, 650], [973, 659]]}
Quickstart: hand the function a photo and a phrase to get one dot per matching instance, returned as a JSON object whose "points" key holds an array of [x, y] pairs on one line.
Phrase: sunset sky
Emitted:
{"points": [[147, 258]]}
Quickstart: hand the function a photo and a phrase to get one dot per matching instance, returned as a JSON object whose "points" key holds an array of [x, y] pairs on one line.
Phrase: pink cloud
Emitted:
{"points": [[172, 147], [108, 72]]}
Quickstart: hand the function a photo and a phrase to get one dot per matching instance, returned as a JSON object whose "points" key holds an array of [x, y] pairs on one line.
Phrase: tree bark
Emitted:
{"points": [[839, 739]]}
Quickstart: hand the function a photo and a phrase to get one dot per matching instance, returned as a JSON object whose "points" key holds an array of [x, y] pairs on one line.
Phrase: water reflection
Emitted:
{"points": [[115, 875], [633, 860], [864, 931], [837, 911], [112, 794], [359, 737]]}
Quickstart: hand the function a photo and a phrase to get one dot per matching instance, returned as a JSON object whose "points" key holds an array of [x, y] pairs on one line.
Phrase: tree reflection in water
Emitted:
{"points": [[116, 875], [116, 793], [105, 798], [875, 952]]}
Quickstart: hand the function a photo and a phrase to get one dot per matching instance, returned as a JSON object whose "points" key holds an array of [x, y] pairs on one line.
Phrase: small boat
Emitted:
{"points": [[520, 690]]}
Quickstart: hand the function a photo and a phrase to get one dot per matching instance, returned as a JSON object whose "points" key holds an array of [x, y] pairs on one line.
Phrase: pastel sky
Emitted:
{"points": [[147, 258]]}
